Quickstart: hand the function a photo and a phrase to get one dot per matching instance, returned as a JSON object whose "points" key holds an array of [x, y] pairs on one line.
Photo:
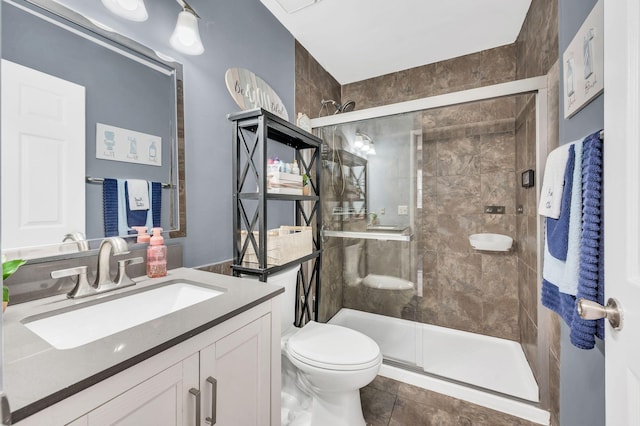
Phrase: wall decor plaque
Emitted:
{"points": [[250, 91]]}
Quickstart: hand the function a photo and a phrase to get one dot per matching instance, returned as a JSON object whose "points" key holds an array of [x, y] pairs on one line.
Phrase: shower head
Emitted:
{"points": [[346, 107]]}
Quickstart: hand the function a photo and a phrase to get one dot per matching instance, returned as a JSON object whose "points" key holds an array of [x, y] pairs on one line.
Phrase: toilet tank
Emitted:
{"points": [[287, 279]]}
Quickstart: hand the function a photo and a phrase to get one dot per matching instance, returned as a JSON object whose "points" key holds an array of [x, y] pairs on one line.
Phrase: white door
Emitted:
{"points": [[240, 363], [622, 207], [43, 157]]}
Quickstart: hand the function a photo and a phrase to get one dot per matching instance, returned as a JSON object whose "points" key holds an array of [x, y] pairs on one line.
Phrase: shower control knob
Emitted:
{"points": [[590, 310]]}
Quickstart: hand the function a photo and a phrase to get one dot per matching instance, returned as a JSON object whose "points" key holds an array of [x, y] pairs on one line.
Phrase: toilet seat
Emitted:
{"points": [[333, 347]]}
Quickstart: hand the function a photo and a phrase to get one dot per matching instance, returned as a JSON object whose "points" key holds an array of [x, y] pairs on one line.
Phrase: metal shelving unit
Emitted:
{"points": [[251, 132]]}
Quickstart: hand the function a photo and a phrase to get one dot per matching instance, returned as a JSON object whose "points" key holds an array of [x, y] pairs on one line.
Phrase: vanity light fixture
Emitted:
{"points": [[132, 10], [186, 35]]}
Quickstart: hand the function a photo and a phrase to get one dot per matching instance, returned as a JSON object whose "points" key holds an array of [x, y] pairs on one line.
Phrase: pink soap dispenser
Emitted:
{"points": [[156, 255], [143, 237]]}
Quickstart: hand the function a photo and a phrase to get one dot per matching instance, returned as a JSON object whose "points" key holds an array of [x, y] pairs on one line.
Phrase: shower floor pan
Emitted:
{"points": [[482, 361]]}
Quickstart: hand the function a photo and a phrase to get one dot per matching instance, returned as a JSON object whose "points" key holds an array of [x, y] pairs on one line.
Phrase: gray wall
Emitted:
{"points": [[239, 33], [582, 394]]}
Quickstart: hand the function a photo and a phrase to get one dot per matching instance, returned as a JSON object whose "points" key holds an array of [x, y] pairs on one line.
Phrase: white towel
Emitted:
{"points": [[553, 182], [564, 274], [138, 194]]}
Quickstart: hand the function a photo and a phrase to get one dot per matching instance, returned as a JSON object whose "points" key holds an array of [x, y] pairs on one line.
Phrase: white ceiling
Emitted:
{"points": [[358, 39]]}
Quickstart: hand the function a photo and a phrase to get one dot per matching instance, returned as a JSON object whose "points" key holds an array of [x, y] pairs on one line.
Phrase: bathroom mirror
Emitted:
{"points": [[128, 88]]}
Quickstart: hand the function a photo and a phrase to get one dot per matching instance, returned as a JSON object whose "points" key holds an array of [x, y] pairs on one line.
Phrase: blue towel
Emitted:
{"points": [[590, 281], [134, 217], [558, 229], [119, 218], [156, 203], [110, 207], [554, 288]]}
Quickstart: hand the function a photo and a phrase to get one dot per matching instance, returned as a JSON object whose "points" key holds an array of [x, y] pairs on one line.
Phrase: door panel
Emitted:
{"points": [[622, 207], [43, 157]]}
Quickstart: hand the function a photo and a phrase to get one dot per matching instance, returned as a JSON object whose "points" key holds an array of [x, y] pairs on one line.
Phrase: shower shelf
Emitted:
{"points": [[380, 236], [491, 242]]}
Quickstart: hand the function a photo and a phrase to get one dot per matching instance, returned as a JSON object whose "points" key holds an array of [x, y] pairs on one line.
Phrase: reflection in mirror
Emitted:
{"points": [[99, 120], [371, 169]]}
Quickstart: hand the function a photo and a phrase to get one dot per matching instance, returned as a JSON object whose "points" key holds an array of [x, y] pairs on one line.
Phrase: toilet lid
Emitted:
{"points": [[333, 347]]}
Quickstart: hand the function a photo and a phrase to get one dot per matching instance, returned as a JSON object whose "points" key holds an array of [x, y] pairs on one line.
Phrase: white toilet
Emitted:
{"points": [[323, 367]]}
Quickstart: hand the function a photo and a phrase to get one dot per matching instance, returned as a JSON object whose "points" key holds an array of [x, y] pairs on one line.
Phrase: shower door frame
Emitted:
{"points": [[536, 86]]}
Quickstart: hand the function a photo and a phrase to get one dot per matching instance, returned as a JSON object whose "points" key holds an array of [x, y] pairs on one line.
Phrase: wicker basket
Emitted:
{"points": [[283, 245]]}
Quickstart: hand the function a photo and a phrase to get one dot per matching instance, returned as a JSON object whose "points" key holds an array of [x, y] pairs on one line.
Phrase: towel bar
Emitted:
{"points": [[100, 180]]}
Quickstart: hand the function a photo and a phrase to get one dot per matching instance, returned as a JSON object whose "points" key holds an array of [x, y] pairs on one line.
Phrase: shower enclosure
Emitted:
{"points": [[405, 186]]}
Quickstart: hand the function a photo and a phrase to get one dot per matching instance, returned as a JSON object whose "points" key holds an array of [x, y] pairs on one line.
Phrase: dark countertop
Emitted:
{"points": [[37, 375]]}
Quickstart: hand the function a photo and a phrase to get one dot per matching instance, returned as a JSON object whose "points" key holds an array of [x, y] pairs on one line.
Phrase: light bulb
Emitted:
{"points": [[358, 142]]}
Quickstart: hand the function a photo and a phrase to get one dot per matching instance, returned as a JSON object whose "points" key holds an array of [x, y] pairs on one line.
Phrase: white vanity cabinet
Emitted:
{"points": [[225, 371]]}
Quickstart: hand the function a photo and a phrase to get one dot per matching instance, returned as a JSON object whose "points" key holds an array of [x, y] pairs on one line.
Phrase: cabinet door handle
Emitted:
{"points": [[195, 392], [214, 397]]}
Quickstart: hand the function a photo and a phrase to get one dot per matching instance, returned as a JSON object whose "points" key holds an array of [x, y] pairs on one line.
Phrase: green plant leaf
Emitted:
{"points": [[5, 294], [10, 267]]}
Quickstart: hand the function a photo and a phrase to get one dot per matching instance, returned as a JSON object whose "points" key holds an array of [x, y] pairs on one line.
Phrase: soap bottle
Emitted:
{"points": [[143, 237], [295, 169], [156, 255]]}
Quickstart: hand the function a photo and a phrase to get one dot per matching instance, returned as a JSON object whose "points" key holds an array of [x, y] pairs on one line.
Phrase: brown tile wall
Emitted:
{"points": [[386, 402], [313, 84], [465, 72], [468, 159], [536, 50]]}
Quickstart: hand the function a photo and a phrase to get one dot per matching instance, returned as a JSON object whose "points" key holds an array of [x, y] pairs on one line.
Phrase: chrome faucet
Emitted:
{"points": [[103, 281]]}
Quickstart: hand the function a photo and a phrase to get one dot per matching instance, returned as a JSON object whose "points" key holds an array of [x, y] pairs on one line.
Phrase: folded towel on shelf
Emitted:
{"points": [[590, 281], [110, 207], [553, 182]]}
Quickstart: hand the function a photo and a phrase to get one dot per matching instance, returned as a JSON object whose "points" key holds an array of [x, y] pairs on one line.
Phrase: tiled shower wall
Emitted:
{"points": [[468, 163], [314, 84], [536, 55]]}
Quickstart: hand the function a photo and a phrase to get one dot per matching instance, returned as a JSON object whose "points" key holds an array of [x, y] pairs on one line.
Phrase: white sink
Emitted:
{"points": [[83, 325]]}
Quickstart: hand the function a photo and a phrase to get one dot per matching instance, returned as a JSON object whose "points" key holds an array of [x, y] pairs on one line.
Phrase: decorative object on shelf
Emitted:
{"points": [[250, 91], [491, 242], [9, 267], [305, 184], [284, 244]]}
